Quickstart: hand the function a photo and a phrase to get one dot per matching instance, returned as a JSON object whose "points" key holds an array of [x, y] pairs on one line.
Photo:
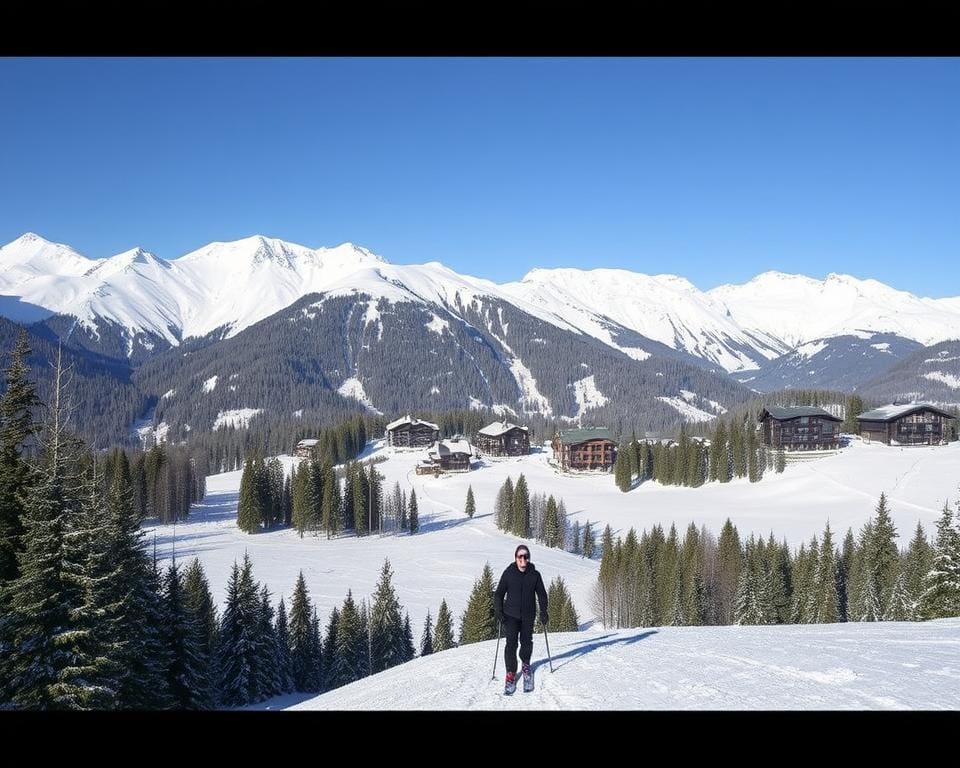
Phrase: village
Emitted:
{"points": [[593, 449]]}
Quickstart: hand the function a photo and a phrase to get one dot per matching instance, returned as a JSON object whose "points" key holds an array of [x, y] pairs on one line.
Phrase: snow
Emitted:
{"points": [[587, 395], [807, 351], [947, 378], [438, 325], [407, 419], [444, 559], [890, 411], [664, 308], [210, 384], [687, 411], [636, 353], [851, 666], [239, 418], [883, 346], [168, 393], [798, 309], [497, 428], [149, 434], [353, 388], [531, 401]]}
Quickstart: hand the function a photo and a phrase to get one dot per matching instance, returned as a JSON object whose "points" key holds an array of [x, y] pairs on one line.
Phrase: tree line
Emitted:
{"points": [[538, 516], [659, 580]]}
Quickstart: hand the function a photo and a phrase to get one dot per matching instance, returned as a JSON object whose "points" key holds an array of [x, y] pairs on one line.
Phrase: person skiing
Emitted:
{"points": [[519, 583]]}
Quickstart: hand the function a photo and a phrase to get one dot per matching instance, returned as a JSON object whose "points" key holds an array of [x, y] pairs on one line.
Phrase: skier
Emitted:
{"points": [[519, 583]]}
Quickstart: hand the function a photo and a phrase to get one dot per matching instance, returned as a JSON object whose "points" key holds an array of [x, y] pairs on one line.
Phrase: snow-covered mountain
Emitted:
{"points": [[798, 309], [838, 362], [664, 308], [135, 304]]}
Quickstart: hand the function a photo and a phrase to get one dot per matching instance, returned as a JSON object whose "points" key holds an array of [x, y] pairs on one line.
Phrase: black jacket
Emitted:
{"points": [[520, 588]]}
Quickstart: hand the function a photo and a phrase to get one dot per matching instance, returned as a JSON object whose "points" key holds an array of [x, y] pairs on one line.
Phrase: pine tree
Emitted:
{"points": [[315, 679], [238, 645], [181, 635], [330, 664], [361, 497], [38, 629], [941, 585], [199, 602], [267, 655], [426, 639], [17, 428], [730, 563], [576, 539], [621, 469], [505, 506], [282, 634], [351, 650], [407, 647], [414, 511], [844, 576], [250, 502], [607, 579], [900, 606], [386, 626], [471, 505], [331, 500], [551, 523], [443, 633], [588, 543], [884, 556], [302, 662], [521, 509], [479, 622], [825, 583], [916, 565]]}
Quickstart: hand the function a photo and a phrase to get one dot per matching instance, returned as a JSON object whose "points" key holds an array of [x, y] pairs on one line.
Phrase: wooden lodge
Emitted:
{"points": [[503, 439], [800, 428], [305, 448], [905, 424], [447, 456], [589, 448], [411, 433]]}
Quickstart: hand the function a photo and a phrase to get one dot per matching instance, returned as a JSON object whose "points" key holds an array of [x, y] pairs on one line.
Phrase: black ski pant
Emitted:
{"points": [[512, 628]]}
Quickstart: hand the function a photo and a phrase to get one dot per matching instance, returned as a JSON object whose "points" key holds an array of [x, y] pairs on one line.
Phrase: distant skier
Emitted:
{"points": [[519, 583]]}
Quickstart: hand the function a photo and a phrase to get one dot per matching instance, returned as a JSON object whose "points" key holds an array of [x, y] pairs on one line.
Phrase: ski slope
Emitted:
{"points": [[859, 666]]}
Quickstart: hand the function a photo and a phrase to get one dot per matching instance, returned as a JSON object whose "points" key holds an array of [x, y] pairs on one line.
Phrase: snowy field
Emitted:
{"points": [[445, 558], [882, 666]]}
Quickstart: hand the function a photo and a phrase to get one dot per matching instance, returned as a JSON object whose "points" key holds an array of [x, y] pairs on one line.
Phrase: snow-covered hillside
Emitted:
{"points": [[856, 666], [444, 559]]}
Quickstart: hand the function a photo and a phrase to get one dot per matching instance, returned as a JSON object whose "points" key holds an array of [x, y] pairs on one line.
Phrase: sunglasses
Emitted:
{"points": [[522, 556]]}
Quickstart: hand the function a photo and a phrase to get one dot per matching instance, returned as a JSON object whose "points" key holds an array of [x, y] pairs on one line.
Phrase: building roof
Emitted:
{"points": [[413, 422], [891, 412], [781, 412], [307, 443], [444, 447], [574, 436], [498, 428]]}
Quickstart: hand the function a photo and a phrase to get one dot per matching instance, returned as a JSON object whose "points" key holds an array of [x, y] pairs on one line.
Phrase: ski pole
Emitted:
{"points": [[548, 647], [495, 655]]}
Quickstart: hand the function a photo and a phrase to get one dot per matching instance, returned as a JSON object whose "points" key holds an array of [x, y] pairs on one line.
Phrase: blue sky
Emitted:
{"points": [[714, 169]]}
